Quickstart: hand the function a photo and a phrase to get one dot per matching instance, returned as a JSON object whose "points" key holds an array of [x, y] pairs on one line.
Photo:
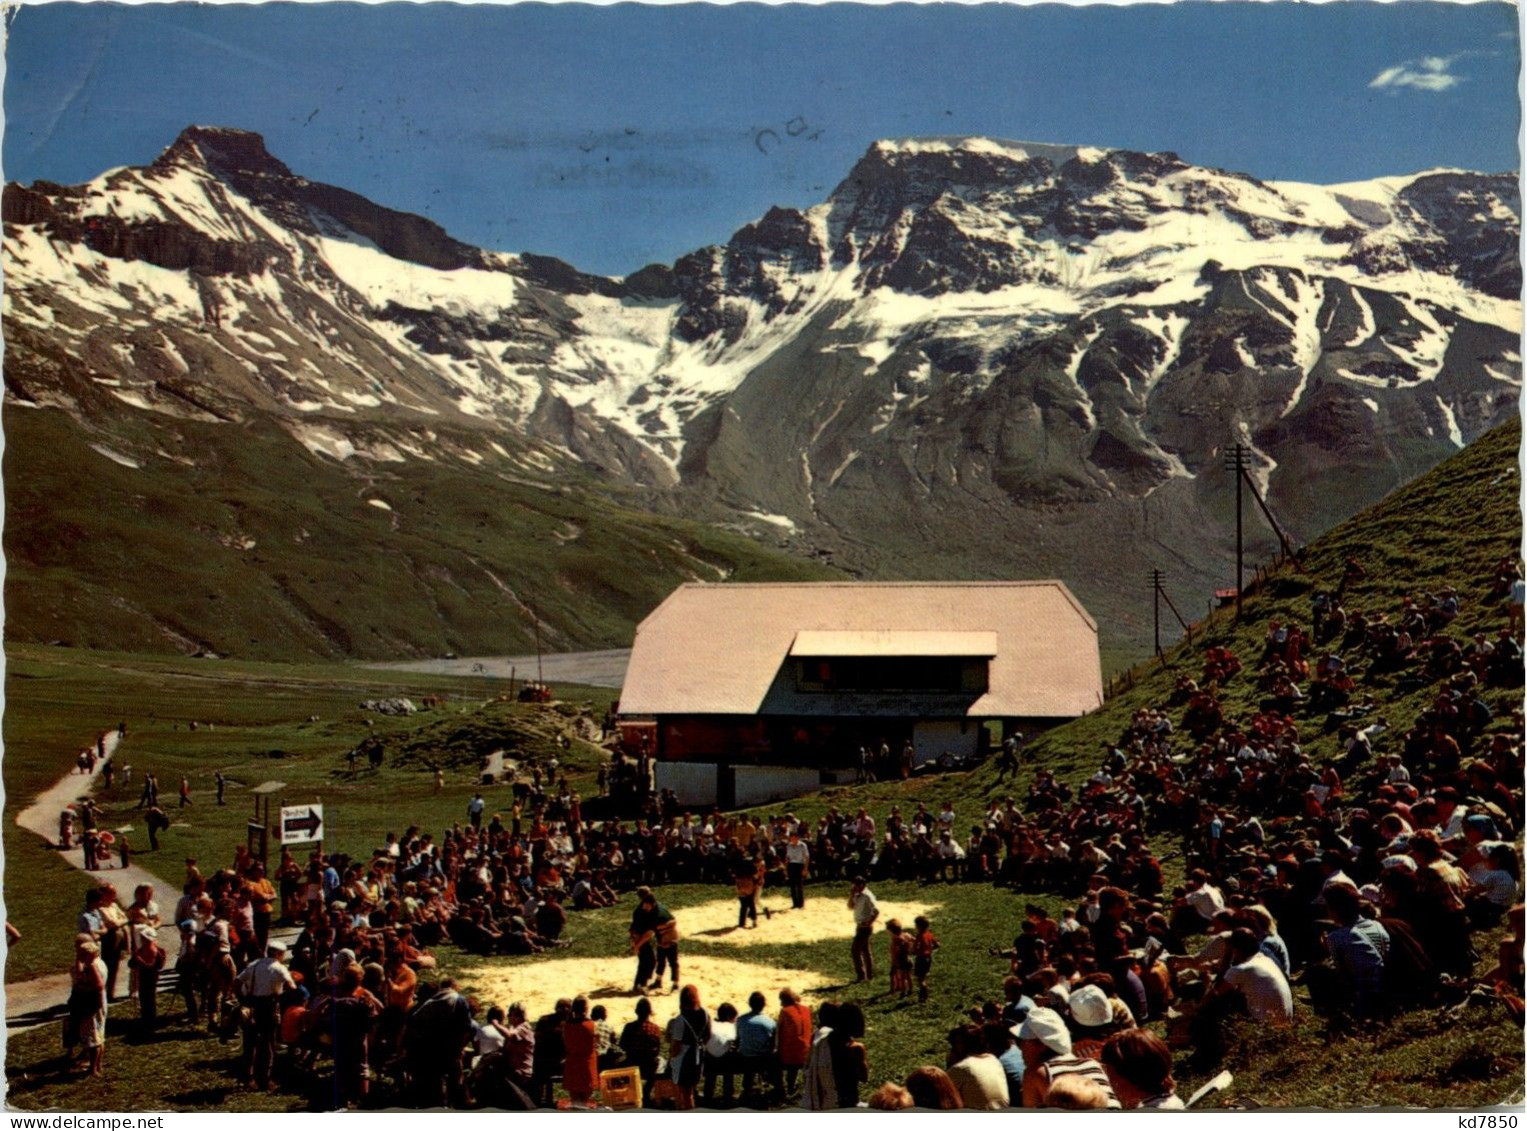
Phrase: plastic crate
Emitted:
{"points": [[621, 1087]]}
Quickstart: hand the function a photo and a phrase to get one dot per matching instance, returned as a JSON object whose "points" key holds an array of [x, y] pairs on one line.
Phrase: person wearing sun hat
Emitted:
{"points": [[146, 961], [260, 985], [86, 1024], [1047, 1056], [1092, 1017]]}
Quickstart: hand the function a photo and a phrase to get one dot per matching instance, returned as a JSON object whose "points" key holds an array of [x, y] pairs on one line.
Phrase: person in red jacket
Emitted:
{"points": [[580, 1038], [795, 1034]]}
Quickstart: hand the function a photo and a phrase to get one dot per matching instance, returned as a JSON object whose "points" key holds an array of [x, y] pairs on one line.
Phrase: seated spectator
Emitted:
{"points": [[890, 1097], [932, 1089], [1047, 1057], [977, 1074], [1077, 1093], [1359, 950], [1258, 979], [1139, 1066]]}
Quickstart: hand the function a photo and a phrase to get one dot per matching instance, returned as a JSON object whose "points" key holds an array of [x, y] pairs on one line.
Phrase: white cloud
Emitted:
{"points": [[1429, 73]]}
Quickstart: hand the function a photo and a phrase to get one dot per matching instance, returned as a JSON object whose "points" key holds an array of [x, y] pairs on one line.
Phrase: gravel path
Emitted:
{"points": [[39, 999], [595, 669]]}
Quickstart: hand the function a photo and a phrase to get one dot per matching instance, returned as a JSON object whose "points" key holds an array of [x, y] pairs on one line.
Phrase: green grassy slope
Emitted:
{"points": [[261, 549]]}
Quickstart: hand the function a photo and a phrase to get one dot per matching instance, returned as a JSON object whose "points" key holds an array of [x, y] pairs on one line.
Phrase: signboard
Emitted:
{"points": [[301, 823]]}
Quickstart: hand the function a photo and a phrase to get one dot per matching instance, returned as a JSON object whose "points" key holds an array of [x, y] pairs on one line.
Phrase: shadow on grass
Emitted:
{"points": [[55, 1070]]}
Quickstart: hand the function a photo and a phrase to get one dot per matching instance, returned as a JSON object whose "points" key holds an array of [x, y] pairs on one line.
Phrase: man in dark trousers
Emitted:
{"points": [[549, 1053], [260, 986], [437, 1036], [797, 861], [644, 923], [156, 820]]}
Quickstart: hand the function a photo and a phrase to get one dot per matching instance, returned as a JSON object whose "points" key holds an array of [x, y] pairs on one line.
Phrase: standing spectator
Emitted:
{"points": [[187, 969], [850, 1061], [185, 791], [86, 1024], [866, 909], [113, 939], [755, 1046], [642, 1042], [437, 1036], [721, 1054], [797, 863], [795, 1038], [819, 1091], [147, 961], [260, 986], [688, 1035], [222, 785], [475, 809], [262, 900], [549, 1051], [580, 1039]]}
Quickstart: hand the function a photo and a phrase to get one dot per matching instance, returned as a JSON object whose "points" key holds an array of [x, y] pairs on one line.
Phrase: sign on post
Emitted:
{"points": [[301, 823]]}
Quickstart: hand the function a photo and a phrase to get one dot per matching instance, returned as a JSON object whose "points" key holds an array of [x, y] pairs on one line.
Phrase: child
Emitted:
{"points": [[922, 948], [901, 958]]}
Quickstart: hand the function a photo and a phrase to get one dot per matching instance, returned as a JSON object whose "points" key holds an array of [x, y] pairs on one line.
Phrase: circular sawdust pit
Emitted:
{"points": [[538, 983], [778, 922], [607, 981]]}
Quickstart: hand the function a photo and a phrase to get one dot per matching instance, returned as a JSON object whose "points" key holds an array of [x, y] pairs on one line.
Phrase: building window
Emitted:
{"points": [[946, 674]]}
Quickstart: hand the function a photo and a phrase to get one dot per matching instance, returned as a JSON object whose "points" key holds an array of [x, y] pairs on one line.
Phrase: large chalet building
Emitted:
{"points": [[745, 693]]}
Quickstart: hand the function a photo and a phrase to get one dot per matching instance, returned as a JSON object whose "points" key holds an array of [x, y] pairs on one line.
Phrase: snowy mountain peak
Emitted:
{"points": [[990, 147], [932, 267]]}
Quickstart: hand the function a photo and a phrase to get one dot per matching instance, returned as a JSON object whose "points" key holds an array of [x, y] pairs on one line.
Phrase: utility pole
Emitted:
{"points": [[1238, 462], [1156, 576]]}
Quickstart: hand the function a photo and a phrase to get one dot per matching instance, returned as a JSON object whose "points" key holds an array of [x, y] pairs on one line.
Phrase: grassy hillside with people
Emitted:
{"points": [[1271, 793]]}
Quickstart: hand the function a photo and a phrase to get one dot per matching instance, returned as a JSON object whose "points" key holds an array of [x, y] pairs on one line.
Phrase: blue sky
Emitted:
{"points": [[618, 136]]}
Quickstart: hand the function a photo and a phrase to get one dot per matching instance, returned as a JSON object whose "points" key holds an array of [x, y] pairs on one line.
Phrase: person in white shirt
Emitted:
{"points": [[975, 1072], [721, 1052], [261, 985], [866, 909], [488, 1037], [1203, 897], [1269, 999], [950, 855], [797, 861]]}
